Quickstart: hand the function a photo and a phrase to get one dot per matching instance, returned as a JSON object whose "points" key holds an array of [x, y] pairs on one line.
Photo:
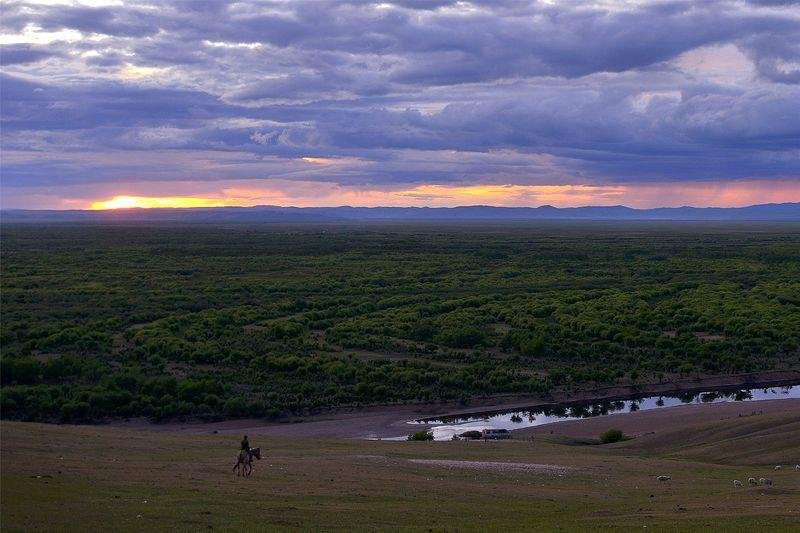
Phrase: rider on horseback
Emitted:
{"points": [[246, 447], [244, 461]]}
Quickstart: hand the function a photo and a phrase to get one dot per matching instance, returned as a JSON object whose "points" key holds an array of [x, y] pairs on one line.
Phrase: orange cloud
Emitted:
{"points": [[515, 195]]}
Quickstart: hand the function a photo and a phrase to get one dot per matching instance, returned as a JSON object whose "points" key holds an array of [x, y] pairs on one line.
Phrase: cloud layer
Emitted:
{"points": [[398, 96]]}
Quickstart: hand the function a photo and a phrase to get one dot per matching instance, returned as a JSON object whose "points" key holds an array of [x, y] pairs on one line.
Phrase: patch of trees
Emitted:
{"points": [[208, 322]]}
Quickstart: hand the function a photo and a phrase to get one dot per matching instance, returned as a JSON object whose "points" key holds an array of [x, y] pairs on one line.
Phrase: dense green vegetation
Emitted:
{"points": [[237, 321], [612, 435], [423, 435]]}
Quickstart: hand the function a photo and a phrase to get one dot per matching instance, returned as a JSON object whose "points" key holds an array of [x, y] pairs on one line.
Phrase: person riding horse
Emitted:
{"points": [[246, 448], [244, 462]]}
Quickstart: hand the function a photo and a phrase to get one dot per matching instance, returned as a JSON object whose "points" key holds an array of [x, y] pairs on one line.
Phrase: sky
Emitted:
{"points": [[186, 103]]}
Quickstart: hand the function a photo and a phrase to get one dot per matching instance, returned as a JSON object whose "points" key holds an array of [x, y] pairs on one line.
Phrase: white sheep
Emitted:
{"points": [[797, 467], [663, 478], [752, 481], [765, 481], [777, 467], [737, 483]]}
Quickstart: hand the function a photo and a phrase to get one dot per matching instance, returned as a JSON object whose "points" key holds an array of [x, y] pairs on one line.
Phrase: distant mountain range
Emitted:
{"points": [[268, 213]]}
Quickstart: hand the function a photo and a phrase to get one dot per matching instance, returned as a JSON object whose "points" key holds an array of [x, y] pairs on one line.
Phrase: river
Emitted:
{"points": [[446, 428]]}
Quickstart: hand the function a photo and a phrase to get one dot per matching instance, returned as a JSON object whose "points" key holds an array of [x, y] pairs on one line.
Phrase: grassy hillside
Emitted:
{"points": [[758, 440], [80, 477], [209, 321]]}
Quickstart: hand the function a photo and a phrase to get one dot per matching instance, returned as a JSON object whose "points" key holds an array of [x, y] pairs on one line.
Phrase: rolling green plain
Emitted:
{"points": [[212, 322]]}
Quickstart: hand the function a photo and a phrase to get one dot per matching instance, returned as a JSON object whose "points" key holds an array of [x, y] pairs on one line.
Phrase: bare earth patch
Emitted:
{"points": [[708, 337], [494, 465], [45, 357]]}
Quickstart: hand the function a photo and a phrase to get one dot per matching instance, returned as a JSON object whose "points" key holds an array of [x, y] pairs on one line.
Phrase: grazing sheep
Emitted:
{"points": [[737, 483], [777, 467], [752, 481], [663, 478], [765, 481]]}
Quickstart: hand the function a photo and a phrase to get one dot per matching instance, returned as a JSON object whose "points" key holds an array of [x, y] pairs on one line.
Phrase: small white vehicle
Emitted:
{"points": [[496, 434]]}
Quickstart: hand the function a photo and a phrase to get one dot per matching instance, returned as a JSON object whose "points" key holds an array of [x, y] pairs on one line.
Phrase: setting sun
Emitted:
{"points": [[129, 202]]}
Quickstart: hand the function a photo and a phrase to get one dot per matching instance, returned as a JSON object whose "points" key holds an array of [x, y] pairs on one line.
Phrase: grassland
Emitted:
{"points": [[64, 477], [213, 322]]}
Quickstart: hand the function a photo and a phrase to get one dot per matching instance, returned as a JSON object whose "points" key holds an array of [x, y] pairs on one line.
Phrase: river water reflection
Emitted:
{"points": [[446, 428]]}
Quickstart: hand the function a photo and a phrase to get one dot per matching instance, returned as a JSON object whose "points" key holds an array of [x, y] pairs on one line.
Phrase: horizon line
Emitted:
{"points": [[347, 206]]}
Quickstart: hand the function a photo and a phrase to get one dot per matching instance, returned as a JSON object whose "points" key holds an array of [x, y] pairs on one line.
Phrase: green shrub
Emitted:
{"points": [[75, 410], [24, 370], [612, 435], [421, 435], [532, 347]]}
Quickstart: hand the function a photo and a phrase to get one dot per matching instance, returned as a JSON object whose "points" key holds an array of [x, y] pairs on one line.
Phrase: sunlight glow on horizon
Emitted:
{"points": [[326, 194], [131, 202], [429, 194]]}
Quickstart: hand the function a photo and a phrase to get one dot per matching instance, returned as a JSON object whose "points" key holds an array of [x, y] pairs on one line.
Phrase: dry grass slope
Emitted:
{"points": [[766, 440], [90, 478]]}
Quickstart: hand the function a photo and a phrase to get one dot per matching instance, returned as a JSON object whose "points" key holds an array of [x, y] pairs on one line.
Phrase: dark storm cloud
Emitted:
{"points": [[600, 93], [108, 21], [29, 106], [776, 59], [774, 2], [18, 54], [424, 46]]}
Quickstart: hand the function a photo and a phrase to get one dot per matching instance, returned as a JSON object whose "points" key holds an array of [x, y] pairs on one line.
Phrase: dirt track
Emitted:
{"points": [[495, 465]]}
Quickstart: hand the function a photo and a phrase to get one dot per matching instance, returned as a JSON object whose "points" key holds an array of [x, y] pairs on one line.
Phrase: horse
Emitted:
{"points": [[244, 463]]}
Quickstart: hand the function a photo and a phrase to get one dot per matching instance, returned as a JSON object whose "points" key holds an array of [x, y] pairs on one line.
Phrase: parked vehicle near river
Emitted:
{"points": [[469, 435], [495, 434]]}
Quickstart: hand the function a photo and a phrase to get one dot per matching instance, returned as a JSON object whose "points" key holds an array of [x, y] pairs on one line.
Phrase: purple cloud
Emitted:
{"points": [[413, 91]]}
